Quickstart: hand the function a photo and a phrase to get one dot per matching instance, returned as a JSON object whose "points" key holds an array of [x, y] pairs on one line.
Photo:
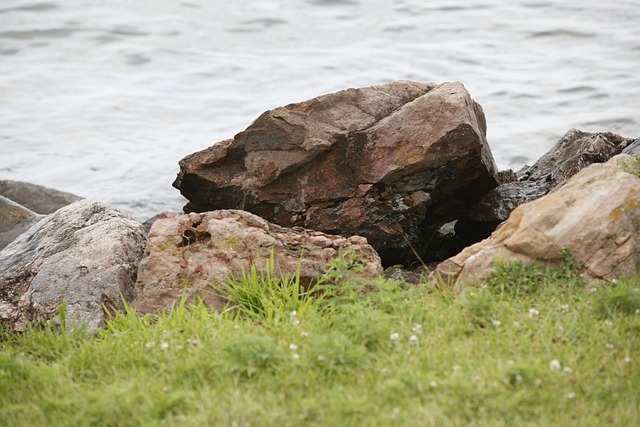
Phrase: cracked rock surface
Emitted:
{"points": [[390, 162], [595, 215]]}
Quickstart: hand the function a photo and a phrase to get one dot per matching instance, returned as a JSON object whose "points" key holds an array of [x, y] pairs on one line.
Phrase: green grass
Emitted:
{"points": [[531, 348]]}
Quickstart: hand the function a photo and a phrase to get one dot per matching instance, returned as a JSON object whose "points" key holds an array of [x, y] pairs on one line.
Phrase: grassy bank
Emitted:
{"points": [[530, 348]]}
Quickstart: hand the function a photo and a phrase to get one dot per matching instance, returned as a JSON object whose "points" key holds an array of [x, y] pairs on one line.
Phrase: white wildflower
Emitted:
{"points": [[150, 344], [433, 384], [395, 413], [555, 365], [295, 356], [627, 359], [519, 379], [164, 345], [413, 339], [417, 328], [609, 346], [496, 322], [608, 322], [304, 334], [394, 336], [571, 395], [533, 312], [293, 316], [565, 307], [293, 347], [320, 358], [567, 370]]}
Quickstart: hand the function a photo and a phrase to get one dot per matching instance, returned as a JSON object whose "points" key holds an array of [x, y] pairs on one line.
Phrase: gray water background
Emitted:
{"points": [[102, 98]]}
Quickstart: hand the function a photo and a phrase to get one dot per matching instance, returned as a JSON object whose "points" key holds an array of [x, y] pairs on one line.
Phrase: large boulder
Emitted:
{"points": [[574, 151], [14, 220], [85, 254], [37, 198], [186, 254], [390, 163], [595, 215]]}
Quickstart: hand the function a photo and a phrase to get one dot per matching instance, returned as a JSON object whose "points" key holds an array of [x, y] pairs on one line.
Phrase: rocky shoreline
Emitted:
{"points": [[400, 174]]}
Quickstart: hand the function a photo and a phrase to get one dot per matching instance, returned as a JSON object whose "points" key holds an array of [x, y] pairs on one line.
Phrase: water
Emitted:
{"points": [[103, 98]]}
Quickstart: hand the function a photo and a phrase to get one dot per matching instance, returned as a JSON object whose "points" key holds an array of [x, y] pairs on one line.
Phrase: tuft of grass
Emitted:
{"points": [[547, 353]]}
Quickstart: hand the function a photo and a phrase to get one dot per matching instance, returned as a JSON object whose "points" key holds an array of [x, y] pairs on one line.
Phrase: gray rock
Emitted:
{"points": [[572, 153], [39, 199], [86, 254], [633, 148], [14, 220]]}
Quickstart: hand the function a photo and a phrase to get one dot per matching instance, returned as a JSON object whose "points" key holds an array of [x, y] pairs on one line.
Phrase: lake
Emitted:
{"points": [[103, 98]]}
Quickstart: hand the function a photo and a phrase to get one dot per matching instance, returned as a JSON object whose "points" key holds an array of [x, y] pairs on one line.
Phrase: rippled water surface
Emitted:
{"points": [[102, 98]]}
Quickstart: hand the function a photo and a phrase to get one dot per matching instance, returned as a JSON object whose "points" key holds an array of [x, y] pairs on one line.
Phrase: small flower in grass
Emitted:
{"points": [[496, 322], [394, 336], [413, 340], [564, 307], [304, 334], [638, 311], [555, 365], [608, 322], [384, 371], [417, 328], [295, 356], [293, 316], [150, 344], [567, 370], [609, 346], [571, 395], [320, 358], [193, 341], [533, 313], [395, 412], [293, 347], [164, 345], [433, 384], [627, 359]]}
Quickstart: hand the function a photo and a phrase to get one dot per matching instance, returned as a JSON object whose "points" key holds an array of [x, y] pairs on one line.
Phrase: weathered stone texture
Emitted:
{"points": [[85, 254], [188, 253], [595, 215], [574, 151], [390, 162]]}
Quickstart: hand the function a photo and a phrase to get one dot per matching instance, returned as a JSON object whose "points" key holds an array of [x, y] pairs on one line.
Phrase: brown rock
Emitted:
{"points": [[574, 151], [187, 253], [389, 162], [595, 215], [86, 254]]}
